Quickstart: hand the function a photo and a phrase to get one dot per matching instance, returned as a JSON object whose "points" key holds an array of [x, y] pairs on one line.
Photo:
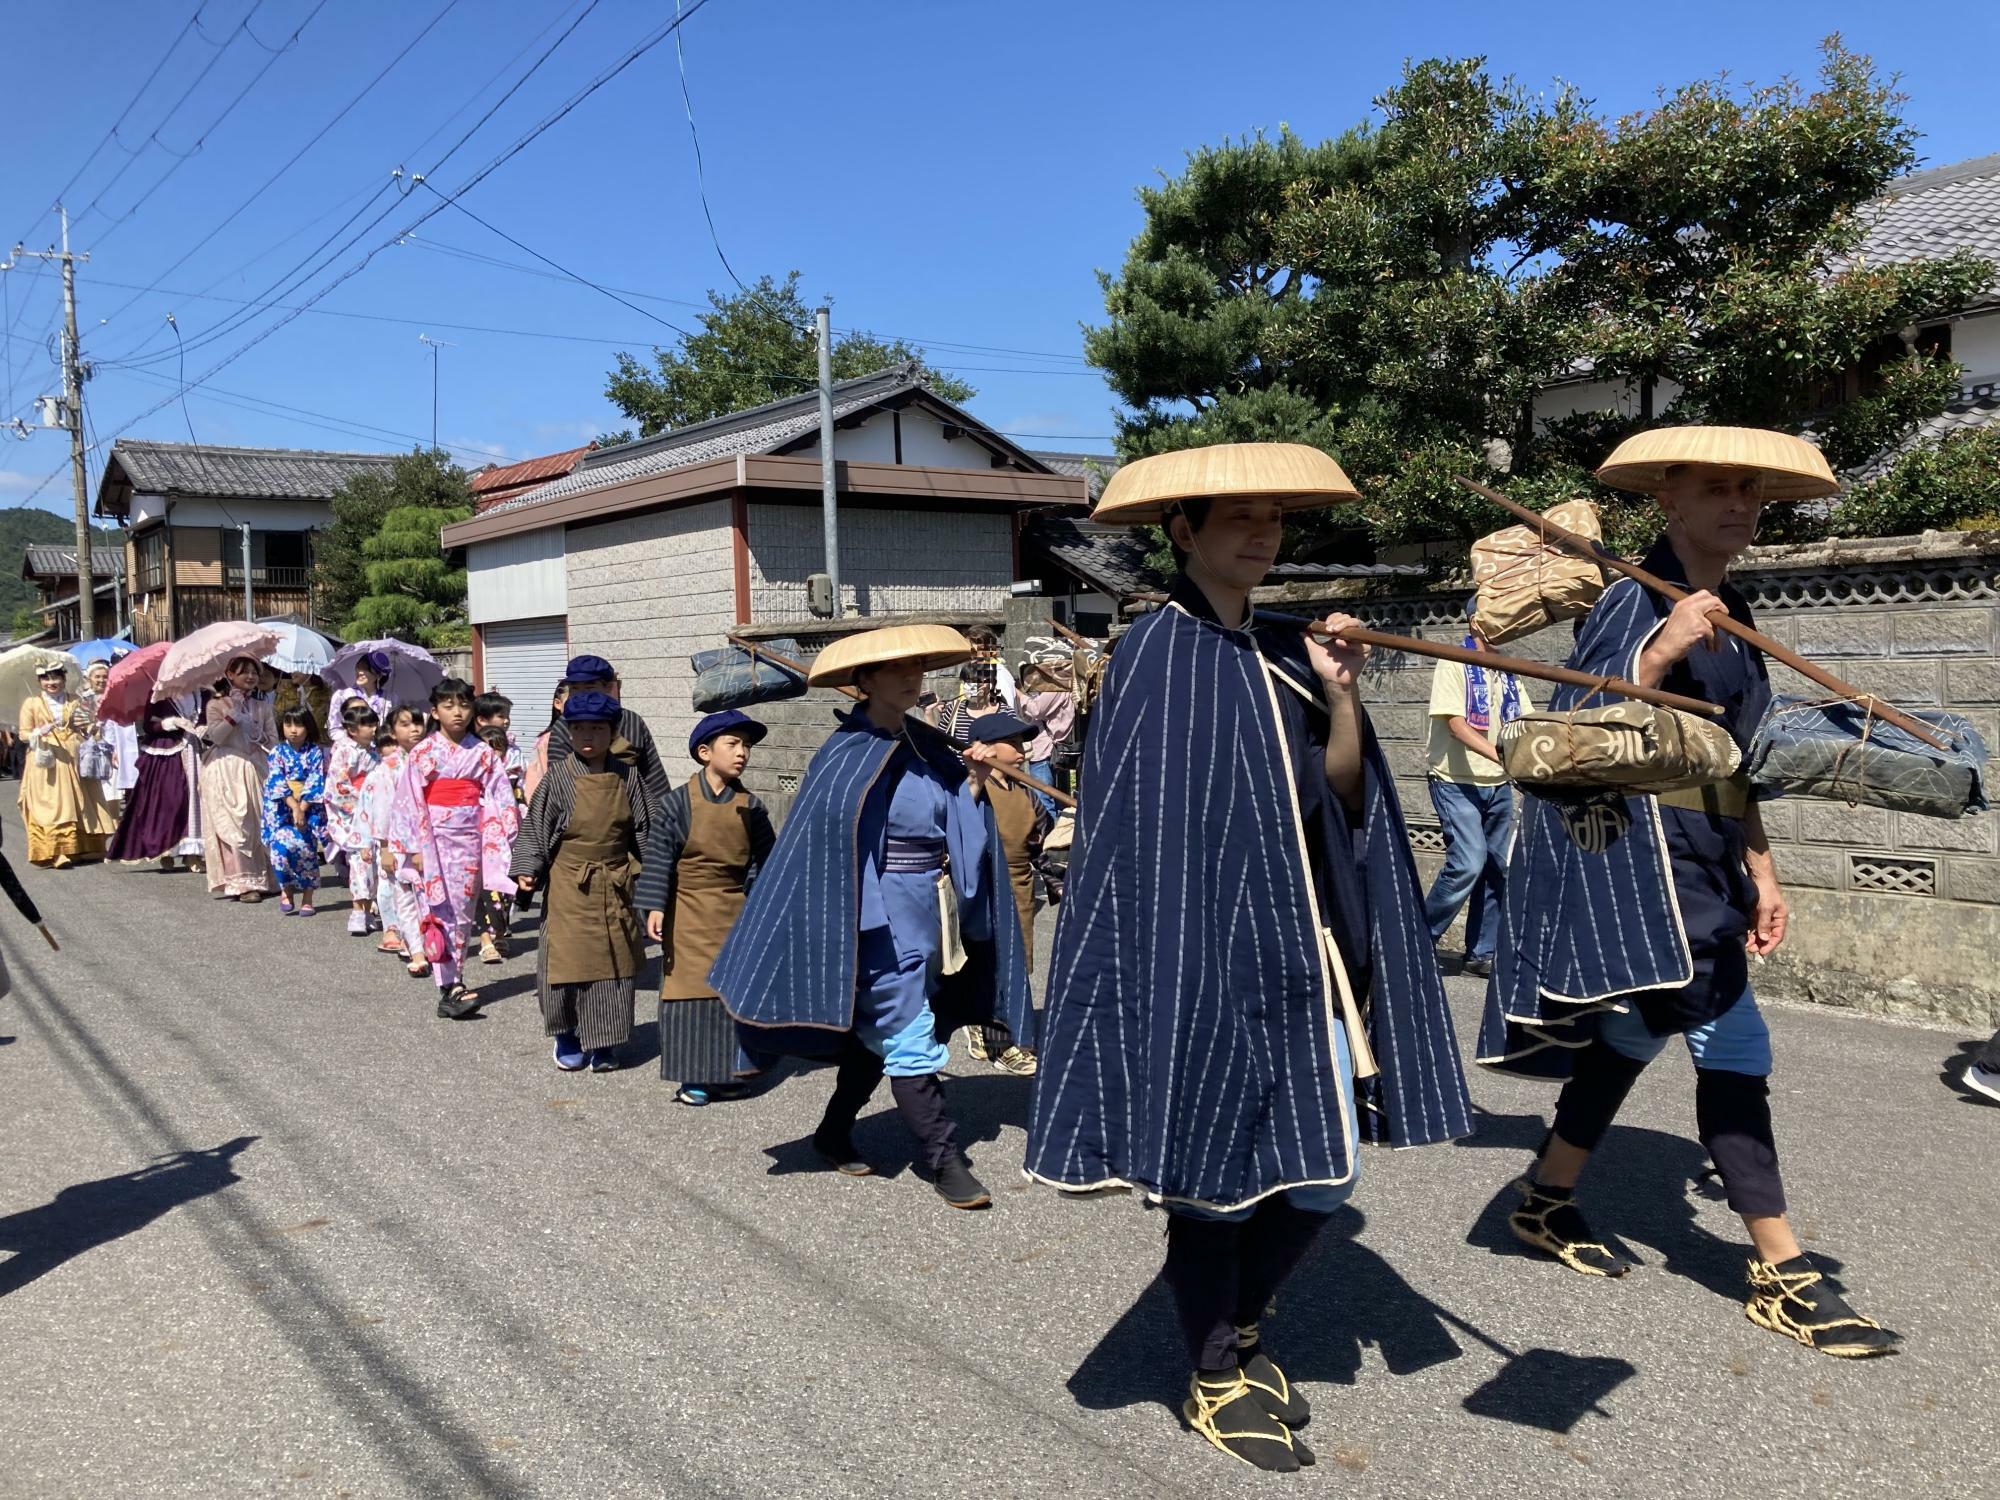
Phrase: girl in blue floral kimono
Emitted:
{"points": [[295, 810]]}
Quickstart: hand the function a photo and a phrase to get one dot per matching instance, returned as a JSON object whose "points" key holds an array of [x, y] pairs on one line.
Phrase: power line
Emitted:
{"points": [[545, 260], [293, 161], [632, 55], [350, 426], [123, 114], [153, 138], [269, 296], [700, 173]]}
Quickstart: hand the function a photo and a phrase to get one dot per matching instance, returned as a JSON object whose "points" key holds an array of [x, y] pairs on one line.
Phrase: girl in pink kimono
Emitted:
{"points": [[350, 761], [451, 828], [399, 905]]}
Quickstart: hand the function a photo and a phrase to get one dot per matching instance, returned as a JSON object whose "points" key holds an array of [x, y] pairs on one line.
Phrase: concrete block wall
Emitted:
{"points": [[892, 561], [647, 592], [1891, 912]]}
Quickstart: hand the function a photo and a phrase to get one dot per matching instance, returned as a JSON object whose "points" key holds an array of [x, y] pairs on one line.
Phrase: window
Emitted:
{"points": [[278, 559], [150, 576]]}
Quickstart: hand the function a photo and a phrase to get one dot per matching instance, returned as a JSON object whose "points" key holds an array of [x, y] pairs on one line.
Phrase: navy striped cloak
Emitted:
{"points": [[788, 966], [1188, 1045], [1594, 917]]}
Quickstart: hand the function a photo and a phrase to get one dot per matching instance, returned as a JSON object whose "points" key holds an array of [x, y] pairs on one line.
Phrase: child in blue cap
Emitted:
{"points": [[711, 839]]}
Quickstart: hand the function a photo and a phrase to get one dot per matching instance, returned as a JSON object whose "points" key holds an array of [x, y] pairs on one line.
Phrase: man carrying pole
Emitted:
{"points": [[1630, 920]]}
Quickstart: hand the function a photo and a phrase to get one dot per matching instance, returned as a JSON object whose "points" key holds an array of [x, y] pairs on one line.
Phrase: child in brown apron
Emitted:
{"points": [[705, 851], [581, 839], [999, 745]]}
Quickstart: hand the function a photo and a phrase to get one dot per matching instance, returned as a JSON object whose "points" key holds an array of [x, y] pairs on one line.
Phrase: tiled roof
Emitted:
{"points": [[1310, 572], [527, 471], [236, 473], [1093, 468], [1930, 214], [1977, 406], [51, 559], [759, 429], [1110, 558]]}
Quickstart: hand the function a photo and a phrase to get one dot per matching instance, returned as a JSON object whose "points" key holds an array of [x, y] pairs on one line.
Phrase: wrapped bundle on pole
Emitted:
{"points": [[744, 673], [1525, 580]]}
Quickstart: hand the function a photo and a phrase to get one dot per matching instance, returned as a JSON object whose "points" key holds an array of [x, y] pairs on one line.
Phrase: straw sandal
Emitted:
{"points": [[1224, 1409], [1792, 1297], [1549, 1220]]}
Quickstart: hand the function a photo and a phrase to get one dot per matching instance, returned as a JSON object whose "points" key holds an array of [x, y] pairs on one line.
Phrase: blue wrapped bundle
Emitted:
{"points": [[733, 678], [1840, 752]]}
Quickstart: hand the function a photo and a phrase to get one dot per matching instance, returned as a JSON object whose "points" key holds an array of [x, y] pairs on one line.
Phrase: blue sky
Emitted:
{"points": [[953, 173]]}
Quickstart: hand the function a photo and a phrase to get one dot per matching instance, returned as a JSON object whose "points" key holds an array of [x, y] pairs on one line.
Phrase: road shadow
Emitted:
{"points": [[89, 1214], [1343, 1300], [1641, 1186], [1952, 1071]]}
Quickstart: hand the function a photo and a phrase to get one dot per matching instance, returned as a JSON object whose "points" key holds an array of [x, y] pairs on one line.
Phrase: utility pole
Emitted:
{"points": [[435, 345], [249, 608], [72, 418], [829, 499]]}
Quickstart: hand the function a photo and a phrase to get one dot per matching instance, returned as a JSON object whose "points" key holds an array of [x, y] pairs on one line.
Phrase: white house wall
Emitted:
{"points": [[646, 593], [1617, 396], [904, 560], [874, 442], [519, 577], [259, 515], [1975, 343]]}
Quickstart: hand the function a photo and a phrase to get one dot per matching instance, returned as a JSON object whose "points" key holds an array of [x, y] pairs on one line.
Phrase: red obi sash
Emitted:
{"points": [[453, 791]]}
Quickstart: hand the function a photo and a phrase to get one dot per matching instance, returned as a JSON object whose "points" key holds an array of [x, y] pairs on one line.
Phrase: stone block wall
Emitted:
{"points": [[892, 561], [647, 592], [1891, 912]]}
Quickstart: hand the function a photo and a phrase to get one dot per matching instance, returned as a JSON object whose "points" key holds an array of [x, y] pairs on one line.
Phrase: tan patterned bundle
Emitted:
{"points": [[1525, 582], [1632, 748]]}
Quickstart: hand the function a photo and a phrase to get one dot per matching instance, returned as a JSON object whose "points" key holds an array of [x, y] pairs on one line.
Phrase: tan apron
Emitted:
{"points": [[1014, 810], [592, 932], [708, 892]]}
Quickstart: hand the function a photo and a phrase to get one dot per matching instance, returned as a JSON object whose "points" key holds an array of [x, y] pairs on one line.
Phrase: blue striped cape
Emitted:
{"points": [[1188, 1037], [1591, 916], [790, 960]]}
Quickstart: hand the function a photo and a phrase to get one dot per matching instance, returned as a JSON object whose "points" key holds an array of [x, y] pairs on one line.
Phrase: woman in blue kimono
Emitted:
{"points": [[883, 918], [1243, 986], [1630, 920]]}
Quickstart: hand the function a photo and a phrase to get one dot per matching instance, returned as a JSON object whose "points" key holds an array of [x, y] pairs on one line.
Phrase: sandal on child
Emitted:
{"points": [[1223, 1409], [456, 1003], [418, 968], [285, 905]]}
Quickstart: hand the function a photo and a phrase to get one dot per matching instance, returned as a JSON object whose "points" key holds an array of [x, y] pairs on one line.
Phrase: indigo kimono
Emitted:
{"points": [[1622, 901], [296, 771], [793, 965], [1220, 897]]}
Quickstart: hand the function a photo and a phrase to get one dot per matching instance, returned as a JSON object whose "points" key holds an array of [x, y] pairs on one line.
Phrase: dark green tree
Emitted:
{"points": [[1399, 295], [754, 346], [379, 569]]}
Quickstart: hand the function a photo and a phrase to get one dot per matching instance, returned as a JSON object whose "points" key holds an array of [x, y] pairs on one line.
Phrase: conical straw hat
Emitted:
{"points": [[1296, 476], [934, 646], [1793, 469]]}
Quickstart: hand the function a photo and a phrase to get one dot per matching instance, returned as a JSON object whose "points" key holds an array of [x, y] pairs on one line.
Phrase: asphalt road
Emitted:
{"points": [[275, 1230]]}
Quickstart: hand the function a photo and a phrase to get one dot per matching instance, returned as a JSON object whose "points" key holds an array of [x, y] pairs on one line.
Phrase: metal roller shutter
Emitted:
{"points": [[524, 659]]}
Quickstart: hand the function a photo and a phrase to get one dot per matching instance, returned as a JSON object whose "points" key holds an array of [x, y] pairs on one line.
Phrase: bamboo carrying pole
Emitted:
{"points": [[1583, 547], [1491, 660], [790, 665]]}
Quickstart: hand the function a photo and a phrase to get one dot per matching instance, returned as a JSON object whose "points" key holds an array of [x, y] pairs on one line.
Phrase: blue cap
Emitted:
{"points": [[591, 707], [727, 721], [998, 726], [589, 669]]}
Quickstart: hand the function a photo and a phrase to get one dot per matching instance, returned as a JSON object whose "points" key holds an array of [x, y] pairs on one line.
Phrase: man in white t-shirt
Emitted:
{"points": [[1473, 798]]}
